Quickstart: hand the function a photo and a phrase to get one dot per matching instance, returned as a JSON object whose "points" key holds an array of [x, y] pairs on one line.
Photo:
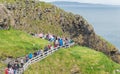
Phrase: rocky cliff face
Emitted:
{"points": [[6, 18], [33, 16], [83, 33]]}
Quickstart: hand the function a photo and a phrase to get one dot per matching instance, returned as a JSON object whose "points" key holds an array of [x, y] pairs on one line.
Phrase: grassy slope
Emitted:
{"points": [[81, 59], [10, 1], [19, 43], [15, 43]]}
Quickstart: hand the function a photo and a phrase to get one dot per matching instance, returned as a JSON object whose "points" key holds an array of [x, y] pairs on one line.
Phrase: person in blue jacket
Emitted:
{"points": [[60, 42], [30, 56]]}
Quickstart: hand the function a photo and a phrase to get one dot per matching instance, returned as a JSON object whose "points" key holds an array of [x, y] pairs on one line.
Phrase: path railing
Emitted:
{"points": [[39, 58]]}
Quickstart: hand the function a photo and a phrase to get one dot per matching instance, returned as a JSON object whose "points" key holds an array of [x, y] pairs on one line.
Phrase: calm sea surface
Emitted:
{"points": [[105, 20]]}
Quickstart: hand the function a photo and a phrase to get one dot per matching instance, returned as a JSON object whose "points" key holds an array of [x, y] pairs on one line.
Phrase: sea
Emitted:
{"points": [[104, 19]]}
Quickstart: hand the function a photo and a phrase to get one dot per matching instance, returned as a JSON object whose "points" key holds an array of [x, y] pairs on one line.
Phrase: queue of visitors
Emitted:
{"points": [[13, 67]]}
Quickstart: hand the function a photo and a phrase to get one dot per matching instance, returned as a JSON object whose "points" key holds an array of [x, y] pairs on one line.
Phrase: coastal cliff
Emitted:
{"points": [[35, 17]]}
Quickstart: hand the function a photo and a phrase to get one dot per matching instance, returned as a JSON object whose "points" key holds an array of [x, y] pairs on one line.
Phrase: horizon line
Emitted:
{"points": [[85, 2]]}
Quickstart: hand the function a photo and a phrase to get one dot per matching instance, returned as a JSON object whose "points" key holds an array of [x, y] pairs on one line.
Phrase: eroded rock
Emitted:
{"points": [[6, 18]]}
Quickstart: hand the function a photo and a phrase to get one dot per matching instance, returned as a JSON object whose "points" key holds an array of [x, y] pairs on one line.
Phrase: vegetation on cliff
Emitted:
{"points": [[34, 17]]}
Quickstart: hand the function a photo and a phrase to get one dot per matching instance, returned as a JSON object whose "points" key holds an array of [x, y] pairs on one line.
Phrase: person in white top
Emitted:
{"points": [[11, 71]]}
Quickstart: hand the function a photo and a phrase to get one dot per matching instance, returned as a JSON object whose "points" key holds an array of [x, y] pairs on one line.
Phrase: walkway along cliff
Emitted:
{"points": [[38, 58], [34, 17], [17, 67]]}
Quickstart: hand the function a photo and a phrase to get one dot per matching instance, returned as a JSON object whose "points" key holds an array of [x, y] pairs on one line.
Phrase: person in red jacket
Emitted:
{"points": [[6, 71]]}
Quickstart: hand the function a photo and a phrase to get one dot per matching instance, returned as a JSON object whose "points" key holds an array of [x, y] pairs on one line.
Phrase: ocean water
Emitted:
{"points": [[105, 20]]}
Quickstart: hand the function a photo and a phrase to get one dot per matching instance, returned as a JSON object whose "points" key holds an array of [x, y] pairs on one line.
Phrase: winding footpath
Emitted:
{"points": [[42, 56]]}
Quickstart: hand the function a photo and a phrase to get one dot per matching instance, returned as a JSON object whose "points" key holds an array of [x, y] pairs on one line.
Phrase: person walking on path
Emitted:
{"points": [[6, 71], [11, 71], [26, 58], [30, 56], [16, 66], [22, 62], [60, 42]]}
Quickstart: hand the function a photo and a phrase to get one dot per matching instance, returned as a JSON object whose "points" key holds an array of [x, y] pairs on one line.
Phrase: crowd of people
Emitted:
{"points": [[13, 67]]}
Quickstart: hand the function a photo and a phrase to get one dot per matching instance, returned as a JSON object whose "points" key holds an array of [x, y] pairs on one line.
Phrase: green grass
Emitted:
{"points": [[17, 43], [2, 66], [8, 1], [78, 59]]}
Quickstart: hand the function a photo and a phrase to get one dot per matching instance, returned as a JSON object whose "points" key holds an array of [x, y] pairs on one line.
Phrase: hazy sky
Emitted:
{"points": [[113, 2]]}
